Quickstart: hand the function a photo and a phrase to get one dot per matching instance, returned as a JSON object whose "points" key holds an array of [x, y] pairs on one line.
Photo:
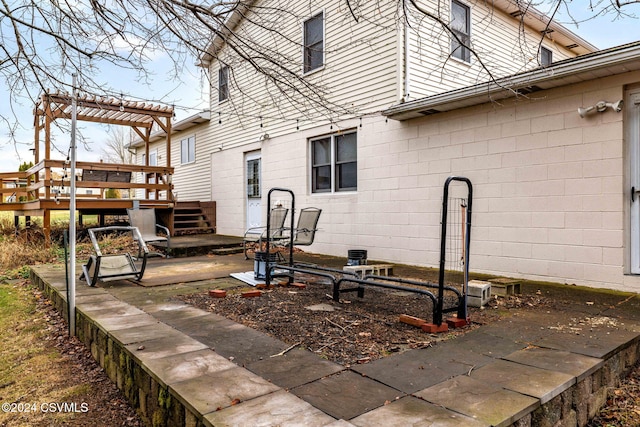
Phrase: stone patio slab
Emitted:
{"points": [[346, 395], [230, 339], [339, 423], [521, 327], [124, 321], [170, 345], [480, 400], [219, 390], [578, 365], [596, 342], [528, 380], [276, 409], [173, 311], [418, 369], [489, 345], [139, 334], [82, 298], [101, 306], [83, 290], [295, 368], [185, 366], [410, 411]]}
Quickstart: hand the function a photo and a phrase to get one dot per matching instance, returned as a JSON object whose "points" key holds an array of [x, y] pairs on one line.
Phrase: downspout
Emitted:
{"points": [[407, 74]]}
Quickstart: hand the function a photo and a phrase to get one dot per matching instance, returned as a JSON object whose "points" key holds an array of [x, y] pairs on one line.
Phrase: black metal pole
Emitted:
{"points": [[462, 308], [267, 279]]}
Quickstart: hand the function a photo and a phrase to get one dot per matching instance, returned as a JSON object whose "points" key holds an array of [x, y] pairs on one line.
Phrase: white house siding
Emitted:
{"points": [[359, 73], [192, 181], [363, 72], [160, 148], [504, 47], [548, 186]]}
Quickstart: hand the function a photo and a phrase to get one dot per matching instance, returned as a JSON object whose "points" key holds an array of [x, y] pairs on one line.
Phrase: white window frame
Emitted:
{"points": [[549, 52], [322, 14], [223, 90], [333, 164], [190, 143], [466, 59]]}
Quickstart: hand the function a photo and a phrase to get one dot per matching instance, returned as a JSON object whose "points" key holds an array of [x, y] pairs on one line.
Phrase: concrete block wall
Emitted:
{"points": [[548, 186]]}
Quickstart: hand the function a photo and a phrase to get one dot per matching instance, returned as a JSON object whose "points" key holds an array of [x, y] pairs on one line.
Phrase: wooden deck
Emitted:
{"points": [[45, 188]]}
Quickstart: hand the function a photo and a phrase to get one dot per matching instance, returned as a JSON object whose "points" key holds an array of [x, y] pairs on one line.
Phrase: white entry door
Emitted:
{"points": [[253, 189], [633, 133]]}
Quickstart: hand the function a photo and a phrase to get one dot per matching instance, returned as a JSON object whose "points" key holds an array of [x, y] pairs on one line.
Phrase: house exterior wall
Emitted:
{"points": [[191, 181], [358, 77], [366, 65], [548, 203], [504, 47]]}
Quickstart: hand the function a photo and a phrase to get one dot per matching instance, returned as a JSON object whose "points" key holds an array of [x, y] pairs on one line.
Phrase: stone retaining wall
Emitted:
{"points": [[158, 406], [147, 395]]}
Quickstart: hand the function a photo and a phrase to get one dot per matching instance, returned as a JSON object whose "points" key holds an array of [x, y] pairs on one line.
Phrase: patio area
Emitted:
{"points": [[187, 366]]}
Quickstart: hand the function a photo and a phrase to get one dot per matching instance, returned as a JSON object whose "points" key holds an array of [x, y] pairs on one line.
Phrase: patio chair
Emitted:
{"points": [[258, 234], [145, 221], [114, 266], [305, 231]]}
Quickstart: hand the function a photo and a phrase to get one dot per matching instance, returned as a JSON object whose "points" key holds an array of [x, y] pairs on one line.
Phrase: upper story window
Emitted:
{"points": [[223, 83], [188, 150], [461, 27], [546, 56], [314, 42], [334, 163]]}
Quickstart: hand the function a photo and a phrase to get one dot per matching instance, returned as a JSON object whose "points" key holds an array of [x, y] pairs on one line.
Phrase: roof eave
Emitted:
{"points": [[182, 125], [553, 30], [230, 24], [613, 61]]}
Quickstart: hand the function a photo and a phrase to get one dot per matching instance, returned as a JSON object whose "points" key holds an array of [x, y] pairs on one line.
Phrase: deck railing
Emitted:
{"points": [[51, 180]]}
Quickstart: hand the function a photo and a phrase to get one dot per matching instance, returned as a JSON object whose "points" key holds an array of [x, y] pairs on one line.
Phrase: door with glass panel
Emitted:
{"points": [[253, 189]]}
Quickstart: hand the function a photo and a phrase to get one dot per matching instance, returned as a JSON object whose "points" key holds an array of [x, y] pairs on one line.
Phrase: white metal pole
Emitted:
{"points": [[72, 214]]}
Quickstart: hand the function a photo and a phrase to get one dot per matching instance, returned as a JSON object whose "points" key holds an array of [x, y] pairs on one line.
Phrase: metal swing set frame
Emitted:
{"points": [[338, 278]]}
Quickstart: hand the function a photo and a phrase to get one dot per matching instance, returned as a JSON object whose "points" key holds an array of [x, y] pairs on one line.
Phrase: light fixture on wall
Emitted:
{"points": [[601, 107], [264, 137]]}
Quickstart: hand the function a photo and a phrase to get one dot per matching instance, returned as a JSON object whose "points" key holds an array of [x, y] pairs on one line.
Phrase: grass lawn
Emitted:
{"points": [[47, 378], [57, 217], [32, 371]]}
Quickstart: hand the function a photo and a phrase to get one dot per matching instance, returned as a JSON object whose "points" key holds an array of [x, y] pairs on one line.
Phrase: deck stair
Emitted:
{"points": [[194, 218]]}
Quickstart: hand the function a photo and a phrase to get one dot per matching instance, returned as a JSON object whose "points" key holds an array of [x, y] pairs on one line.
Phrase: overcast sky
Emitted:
{"points": [[190, 96]]}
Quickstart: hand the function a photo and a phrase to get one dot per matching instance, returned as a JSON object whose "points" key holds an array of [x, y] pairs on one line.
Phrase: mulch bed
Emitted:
{"points": [[354, 330]]}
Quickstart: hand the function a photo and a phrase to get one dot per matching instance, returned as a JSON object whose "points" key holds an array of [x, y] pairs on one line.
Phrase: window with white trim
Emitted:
{"points": [[546, 56], [313, 42], [223, 83], [461, 27], [188, 150], [334, 163]]}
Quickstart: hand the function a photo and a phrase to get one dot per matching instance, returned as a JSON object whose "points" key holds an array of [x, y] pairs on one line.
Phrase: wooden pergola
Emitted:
{"points": [[140, 116], [33, 192]]}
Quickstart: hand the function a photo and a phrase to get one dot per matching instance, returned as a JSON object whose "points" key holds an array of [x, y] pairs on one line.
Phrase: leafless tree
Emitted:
{"points": [[115, 148], [45, 42]]}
